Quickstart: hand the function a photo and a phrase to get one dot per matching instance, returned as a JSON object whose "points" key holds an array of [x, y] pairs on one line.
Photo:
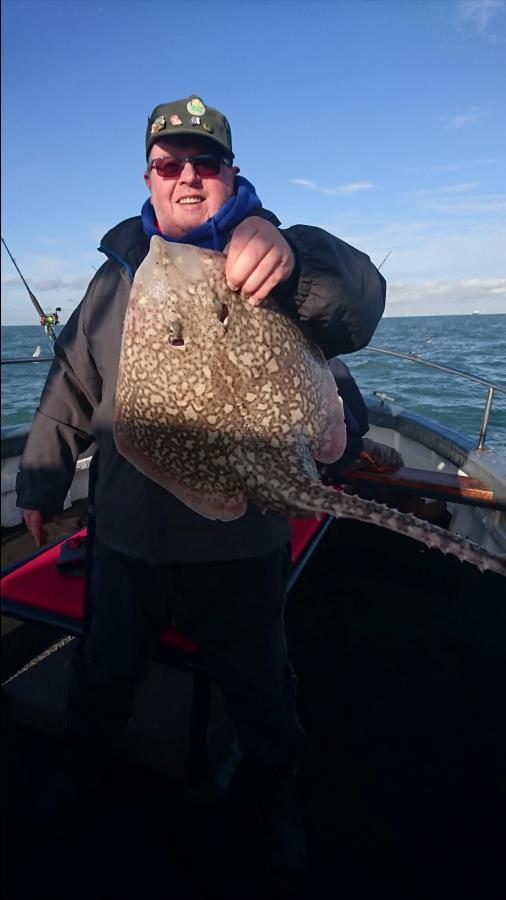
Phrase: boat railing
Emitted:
{"points": [[490, 386], [26, 359], [412, 357]]}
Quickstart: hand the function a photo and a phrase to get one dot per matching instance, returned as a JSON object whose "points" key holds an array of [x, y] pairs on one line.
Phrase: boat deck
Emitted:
{"points": [[402, 676]]}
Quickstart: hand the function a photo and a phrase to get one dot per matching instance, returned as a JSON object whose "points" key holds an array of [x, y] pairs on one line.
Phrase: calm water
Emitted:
{"points": [[474, 344]]}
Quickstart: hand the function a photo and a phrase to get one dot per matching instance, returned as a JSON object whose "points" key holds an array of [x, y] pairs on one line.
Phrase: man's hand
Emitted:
{"points": [[33, 521], [258, 258]]}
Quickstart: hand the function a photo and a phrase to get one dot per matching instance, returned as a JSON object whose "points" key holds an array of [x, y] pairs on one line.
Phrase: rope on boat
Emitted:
{"points": [[44, 655]]}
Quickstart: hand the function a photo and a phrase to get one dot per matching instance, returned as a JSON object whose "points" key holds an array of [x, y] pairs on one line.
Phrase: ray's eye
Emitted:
{"points": [[176, 334], [221, 310]]}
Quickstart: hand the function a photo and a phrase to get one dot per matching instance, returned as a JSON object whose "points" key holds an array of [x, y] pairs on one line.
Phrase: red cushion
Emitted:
{"points": [[38, 583], [302, 532]]}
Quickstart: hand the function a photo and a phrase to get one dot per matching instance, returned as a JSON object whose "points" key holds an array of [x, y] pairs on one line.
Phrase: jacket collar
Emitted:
{"points": [[128, 244]]}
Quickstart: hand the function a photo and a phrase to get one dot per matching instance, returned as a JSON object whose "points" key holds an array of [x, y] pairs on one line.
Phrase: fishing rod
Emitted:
{"points": [[384, 260], [46, 320]]}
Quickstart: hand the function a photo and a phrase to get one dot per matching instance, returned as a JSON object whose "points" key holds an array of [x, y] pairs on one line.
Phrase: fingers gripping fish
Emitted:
{"points": [[224, 404]]}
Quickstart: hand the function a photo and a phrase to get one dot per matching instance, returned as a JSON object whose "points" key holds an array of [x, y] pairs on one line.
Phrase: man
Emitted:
{"points": [[153, 558]]}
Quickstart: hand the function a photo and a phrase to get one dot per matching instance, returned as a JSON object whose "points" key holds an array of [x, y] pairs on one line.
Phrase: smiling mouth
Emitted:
{"points": [[190, 200]]}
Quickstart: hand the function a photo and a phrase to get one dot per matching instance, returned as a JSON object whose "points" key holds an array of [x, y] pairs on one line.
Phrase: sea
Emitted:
{"points": [[475, 344]]}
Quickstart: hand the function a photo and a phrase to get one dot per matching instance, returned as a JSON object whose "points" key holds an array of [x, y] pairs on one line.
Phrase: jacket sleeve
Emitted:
{"points": [[336, 294], [356, 418], [61, 428]]}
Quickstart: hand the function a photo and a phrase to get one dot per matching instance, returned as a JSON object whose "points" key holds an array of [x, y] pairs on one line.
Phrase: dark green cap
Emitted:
{"points": [[189, 117]]}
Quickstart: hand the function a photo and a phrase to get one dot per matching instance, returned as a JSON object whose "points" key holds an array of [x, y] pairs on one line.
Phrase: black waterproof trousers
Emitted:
{"points": [[232, 609]]}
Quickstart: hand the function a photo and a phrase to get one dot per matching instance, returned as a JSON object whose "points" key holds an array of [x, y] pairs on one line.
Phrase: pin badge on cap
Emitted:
{"points": [[175, 120], [195, 120], [158, 125], [195, 107], [207, 127]]}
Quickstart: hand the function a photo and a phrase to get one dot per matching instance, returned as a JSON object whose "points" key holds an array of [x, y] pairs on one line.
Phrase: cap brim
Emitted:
{"points": [[187, 132]]}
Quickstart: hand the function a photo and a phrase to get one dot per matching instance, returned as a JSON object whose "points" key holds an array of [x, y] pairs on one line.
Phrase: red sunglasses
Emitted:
{"points": [[205, 165]]}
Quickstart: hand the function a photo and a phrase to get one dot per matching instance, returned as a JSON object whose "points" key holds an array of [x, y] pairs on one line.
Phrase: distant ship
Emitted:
{"points": [[476, 312]]}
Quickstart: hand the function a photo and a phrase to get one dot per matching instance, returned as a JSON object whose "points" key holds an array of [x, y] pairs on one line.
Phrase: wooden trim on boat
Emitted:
{"points": [[425, 483]]}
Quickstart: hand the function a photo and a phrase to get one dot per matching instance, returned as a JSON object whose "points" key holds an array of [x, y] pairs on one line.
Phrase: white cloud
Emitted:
{"points": [[446, 189], [482, 204], [49, 273], [479, 13], [446, 297], [46, 266], [426, 251], [49, 241], [352, 187], [54, 280], [11, 284], [355, 186], [53, 283], [458, 200], [464, 119], [458, 167]]}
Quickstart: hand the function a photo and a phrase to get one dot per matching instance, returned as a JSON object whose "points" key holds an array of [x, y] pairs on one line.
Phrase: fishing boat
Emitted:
{"points": [[400, 657]]}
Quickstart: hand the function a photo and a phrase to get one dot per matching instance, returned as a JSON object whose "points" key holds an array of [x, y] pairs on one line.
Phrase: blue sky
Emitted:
{"points": [[382, 122]]}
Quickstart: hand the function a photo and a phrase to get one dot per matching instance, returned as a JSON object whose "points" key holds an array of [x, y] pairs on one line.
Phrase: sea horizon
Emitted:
{"points": [[385, 316], [474, 344]]}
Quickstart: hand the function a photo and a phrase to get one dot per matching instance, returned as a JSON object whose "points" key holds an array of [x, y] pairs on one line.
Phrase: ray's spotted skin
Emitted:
{"points": [[213, 393], [223, 403]]}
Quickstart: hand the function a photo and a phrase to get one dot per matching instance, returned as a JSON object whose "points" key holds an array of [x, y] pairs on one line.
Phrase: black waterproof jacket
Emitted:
{"points": [[337, 297]]}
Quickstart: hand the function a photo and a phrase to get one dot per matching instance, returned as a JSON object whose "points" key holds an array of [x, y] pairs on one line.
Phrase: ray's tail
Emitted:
{"points": [[320, 499]]}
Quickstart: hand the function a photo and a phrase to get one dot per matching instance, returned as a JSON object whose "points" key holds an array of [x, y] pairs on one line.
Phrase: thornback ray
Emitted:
{"points": [[202, 374], [225, 404]]}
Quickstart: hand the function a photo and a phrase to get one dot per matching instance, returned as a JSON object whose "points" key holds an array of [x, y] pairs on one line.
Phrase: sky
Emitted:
{"points": [[381, 121]]}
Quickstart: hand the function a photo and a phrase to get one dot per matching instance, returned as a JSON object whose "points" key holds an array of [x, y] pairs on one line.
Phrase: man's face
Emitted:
{"points": [[183, 203]]}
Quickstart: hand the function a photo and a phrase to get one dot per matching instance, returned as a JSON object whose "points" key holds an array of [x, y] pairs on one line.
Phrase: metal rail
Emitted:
{"points": [[491, 388], [26, 359]]}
